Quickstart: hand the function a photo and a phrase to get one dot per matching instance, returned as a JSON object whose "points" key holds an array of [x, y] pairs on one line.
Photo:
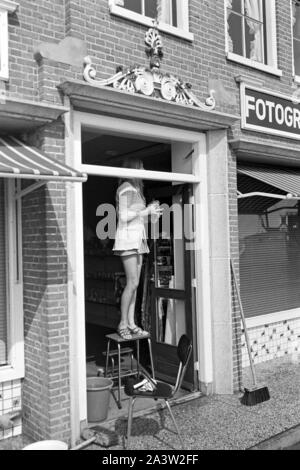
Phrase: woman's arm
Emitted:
{"points": [[126, 200]]}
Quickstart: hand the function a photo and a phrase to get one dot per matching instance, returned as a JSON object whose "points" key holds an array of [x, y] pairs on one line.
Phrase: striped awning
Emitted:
{"points": [[284, 179], [18, 160]]}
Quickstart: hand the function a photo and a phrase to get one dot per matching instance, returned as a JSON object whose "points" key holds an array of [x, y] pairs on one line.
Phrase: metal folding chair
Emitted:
{"points": [[161, 390]]}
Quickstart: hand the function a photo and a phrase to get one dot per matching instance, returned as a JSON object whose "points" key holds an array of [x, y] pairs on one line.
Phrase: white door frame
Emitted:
{"points": [[74, 125]]}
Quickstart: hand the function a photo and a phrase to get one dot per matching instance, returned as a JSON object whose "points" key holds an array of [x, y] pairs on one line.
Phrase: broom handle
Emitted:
{"points": [[244, 325]]}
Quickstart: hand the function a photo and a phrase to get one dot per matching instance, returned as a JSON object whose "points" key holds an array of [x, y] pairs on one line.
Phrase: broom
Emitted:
{"points": [[256, 394]]}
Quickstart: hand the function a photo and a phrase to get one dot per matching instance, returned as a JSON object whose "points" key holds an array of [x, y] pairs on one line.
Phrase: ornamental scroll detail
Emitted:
{"points": [[150, 81]]}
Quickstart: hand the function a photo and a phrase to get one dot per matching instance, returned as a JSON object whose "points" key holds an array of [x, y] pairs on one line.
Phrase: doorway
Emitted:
{"points": [[165, 299]]}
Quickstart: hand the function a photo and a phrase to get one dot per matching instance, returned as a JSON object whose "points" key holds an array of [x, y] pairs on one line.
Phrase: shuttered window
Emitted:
{"points": [[3, 296], [269, 244]]}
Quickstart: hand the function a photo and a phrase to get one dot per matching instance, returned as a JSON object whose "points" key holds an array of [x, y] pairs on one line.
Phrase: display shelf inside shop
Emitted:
{"points": [[104, 282]]}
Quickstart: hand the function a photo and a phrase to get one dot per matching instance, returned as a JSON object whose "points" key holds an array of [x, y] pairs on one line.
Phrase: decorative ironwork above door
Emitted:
{"points": [[150, 81]]}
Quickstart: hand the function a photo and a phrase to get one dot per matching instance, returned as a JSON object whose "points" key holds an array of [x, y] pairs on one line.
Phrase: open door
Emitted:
{"points": [[172, 312]]}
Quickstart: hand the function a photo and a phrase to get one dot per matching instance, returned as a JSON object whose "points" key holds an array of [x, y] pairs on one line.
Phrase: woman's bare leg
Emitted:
{"points": [[131, 309], [130, 264]]}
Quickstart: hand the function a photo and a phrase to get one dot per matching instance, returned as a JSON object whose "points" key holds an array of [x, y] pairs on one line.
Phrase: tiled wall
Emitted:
{"points": [[10, 401], [272, 341]]}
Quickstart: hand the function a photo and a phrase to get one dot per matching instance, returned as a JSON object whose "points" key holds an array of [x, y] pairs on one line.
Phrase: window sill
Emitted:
{"points": [[270, 318], [251, 63], [9, 6], [10, 373], [297, 79], [137, 18], [4, 76]]}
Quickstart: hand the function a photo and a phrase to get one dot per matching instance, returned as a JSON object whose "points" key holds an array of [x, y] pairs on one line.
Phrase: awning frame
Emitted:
{"points": [[286, 186], [20, 161], [270, 195], [23, 192]]}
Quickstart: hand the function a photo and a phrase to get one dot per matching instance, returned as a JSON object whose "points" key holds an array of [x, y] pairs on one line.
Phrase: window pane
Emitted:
{"points": [[170, 320], [254, 10], [169, 245], [235, 5], [151, 8], [297, 22], [297, 56], [254, 40], [133, 5], [174, 12], [3, 322], [235, 32]]}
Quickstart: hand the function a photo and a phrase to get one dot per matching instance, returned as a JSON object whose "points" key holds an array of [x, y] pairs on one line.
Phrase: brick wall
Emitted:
{"points": [[46, 400]]}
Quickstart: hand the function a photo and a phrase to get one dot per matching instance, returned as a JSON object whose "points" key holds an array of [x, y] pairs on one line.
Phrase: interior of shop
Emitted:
{"points": [[104, 275]]}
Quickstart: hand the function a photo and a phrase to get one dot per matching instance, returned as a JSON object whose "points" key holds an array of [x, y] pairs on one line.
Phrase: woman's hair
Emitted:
{"points": [[136, 164]]}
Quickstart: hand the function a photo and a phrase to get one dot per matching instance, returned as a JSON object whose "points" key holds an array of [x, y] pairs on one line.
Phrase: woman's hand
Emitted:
{"points": [[155, 210]]}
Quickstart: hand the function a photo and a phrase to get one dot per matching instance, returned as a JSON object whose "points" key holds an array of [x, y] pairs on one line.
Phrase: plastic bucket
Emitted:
{"points": [[98, 395], [47, 445]]}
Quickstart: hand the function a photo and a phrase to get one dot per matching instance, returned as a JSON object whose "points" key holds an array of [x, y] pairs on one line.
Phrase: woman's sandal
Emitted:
{"points": [[137, 331], [124, 333]]}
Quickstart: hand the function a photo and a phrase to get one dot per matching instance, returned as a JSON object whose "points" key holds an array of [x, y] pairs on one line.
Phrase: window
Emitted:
{"points": [[6, 7], [172, 15], [11, 287], [165, 12], [3, 46], [269, 240], [296, 36], [251, 33], [3, 281], [246, 29]]}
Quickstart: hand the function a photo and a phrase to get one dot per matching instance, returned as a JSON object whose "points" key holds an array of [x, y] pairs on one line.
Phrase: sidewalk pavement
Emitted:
{"points": [[221, 422]]}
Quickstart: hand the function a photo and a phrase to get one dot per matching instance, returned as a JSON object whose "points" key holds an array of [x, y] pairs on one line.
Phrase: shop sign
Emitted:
{"points": [[264, 111]]}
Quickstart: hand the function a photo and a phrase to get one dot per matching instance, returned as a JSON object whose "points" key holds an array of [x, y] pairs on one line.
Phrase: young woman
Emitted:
{"points": [[131, 244]]}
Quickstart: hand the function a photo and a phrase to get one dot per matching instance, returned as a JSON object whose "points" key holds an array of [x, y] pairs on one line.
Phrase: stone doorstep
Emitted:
{"points": [[280, 441], [149, 410]]}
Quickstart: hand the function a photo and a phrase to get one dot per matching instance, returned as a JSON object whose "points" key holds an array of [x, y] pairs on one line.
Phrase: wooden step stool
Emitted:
{"points": [[112, 355], [118, 352]]}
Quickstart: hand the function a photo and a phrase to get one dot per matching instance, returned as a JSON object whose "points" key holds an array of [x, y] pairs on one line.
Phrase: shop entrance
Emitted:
{"points": [[164, 304]]}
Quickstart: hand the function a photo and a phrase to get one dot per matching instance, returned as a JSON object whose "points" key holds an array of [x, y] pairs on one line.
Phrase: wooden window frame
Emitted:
{"points": [[182, 30], [15, 329], [271, 42], [6, 7]]}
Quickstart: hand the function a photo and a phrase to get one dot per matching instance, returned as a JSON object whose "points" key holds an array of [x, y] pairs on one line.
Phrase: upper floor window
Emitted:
{"points": [[6, 7], [296, 36], [172, 15], [165, 11], [3, 46], [247, 29], [251, 33]]}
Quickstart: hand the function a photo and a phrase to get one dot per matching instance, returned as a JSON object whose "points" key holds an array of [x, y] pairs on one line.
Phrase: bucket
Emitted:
{"points": [[47, 445], [98, 395]]}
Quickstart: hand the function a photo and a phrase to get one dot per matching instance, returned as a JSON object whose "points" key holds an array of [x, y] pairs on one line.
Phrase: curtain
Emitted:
{"points": [[164, 11], [229, 40], [253, 9], [294, 13]]}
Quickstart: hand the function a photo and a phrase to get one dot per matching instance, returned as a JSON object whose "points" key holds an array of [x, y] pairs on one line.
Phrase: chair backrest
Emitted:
{"points": [[184, 351]]}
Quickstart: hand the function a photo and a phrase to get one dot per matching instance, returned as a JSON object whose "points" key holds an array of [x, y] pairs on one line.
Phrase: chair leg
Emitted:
{"points": [[175, 424], [129, 422]]}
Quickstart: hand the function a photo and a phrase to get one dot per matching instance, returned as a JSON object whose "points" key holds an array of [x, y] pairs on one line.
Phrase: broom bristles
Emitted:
{"points": [[254, 396]]}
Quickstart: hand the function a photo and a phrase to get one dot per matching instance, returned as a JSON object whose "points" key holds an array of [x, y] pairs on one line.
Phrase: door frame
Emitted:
{"points": [[75, 121], [167, 356]]}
